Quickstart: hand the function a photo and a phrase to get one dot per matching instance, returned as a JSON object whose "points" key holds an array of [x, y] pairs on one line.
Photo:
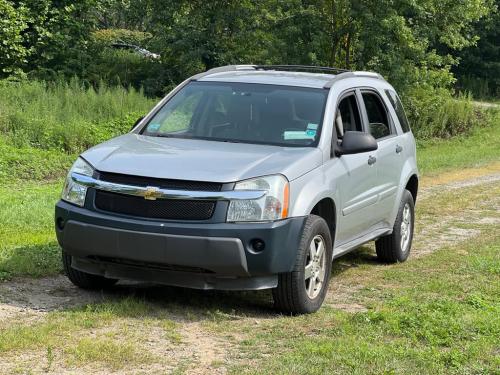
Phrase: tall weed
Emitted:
{"points": [[67, 116], [435, 113]]}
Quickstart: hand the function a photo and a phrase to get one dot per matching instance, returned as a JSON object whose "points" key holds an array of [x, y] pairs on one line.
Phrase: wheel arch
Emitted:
{"points": [[327, 209], [412, 186]]}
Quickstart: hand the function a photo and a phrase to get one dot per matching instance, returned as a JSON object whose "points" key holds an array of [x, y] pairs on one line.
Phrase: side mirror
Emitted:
{"points": [[137, 121], [355, 142]]}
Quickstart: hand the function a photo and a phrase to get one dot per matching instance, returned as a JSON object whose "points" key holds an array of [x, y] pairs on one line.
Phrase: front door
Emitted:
{"points": [[356, 180]]}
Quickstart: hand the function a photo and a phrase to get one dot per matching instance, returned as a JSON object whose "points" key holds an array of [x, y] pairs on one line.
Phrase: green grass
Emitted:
{"points": [[479, 147], [44, 126], [59, 325], [27, 240], [115, 354], [435, 316], [42, 130], [27, 163], [114, 348]]}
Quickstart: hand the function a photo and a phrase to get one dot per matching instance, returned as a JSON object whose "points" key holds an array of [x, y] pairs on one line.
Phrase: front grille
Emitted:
{"points": [[159, 182], [150, 265], [169, 209]]}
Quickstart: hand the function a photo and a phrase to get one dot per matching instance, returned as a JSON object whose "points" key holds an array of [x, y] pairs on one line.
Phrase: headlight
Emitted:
{"points": [[73, 192], [272, 206]]}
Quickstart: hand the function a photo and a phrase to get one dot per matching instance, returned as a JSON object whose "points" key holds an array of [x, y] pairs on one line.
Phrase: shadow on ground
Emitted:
{"points": [[57, 293]]}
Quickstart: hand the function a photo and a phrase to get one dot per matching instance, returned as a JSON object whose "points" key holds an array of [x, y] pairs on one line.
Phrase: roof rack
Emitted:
{"points": [[349, 74], [304, 68], [222, 69], [339, 73]]}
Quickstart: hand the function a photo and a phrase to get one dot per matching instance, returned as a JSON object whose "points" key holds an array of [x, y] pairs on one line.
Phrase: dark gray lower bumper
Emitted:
{"points": [[199, 255], [176, 278]]}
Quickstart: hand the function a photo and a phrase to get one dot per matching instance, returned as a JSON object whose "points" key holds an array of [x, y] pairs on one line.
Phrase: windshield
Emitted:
{"points": [[242, 112]]}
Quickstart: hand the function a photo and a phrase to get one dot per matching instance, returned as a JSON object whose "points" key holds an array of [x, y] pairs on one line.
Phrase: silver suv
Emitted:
{"points": [[242, 178]]}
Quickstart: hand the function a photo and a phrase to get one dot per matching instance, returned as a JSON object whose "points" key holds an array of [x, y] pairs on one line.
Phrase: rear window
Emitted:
{"points": [[398, 108]]}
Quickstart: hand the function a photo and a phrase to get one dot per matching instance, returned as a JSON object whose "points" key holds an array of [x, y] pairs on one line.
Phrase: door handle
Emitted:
{"points": [[399, 149], [372, 160]]}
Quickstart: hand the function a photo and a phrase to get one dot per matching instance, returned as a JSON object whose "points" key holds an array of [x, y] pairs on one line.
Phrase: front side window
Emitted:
{"points": [[398, 108], [378, 122], [242, 112], [347, 117]]}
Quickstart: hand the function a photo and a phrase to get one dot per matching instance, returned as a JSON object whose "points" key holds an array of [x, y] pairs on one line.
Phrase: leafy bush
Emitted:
{"points": [[435, 113], [67, 116], [105, 37], [12, 50], [126, 68]]}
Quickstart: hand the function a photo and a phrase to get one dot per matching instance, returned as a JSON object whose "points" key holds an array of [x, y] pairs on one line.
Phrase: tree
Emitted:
{"points": [[57, 34], [13, 52], [479, 67], [412, 43], [409, 42]]}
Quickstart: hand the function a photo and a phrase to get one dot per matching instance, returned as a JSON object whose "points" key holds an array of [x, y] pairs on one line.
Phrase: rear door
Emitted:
{"points": [[355, 175], [390, 158]]}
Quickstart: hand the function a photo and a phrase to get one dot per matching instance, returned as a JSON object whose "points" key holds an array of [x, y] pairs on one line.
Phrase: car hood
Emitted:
{"points": [[199, 160]]}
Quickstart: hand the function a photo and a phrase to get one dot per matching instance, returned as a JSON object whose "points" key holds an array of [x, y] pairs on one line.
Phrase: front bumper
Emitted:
{"points": [[198, 255]]}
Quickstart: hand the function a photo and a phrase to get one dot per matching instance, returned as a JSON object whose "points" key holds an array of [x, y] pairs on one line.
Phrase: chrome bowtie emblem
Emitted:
{"points": [[152, 193]]}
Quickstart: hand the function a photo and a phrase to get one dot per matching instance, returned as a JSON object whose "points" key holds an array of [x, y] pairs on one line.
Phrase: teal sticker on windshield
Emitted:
{"points": [[153, 127], [299, 135], [312, 126]]}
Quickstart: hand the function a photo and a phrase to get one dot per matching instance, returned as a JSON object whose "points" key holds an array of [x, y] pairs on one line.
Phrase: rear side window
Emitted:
{"points": [[398, 108], [378, 121]]}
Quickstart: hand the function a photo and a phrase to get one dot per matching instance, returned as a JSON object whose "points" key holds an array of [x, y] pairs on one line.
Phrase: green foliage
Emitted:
{"points": [[479, 68], [128, 69], [12, 51], [105, 37], [58, 33], [435, 113], [480, 87], [410, 43], [123, 67], [69, 117]]}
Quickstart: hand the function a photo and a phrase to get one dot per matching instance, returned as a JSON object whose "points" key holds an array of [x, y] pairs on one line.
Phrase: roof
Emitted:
{"points": [[272, 78], [279, 75]]}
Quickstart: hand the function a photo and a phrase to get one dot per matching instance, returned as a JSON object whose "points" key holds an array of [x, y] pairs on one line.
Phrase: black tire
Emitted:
{"points": [[85, 280], [290, 296], [389, 249]]}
